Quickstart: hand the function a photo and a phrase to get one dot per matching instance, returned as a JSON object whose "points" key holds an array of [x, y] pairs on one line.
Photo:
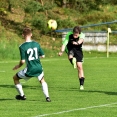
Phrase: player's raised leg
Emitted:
{"points": [[74, 62], [72, 59]]}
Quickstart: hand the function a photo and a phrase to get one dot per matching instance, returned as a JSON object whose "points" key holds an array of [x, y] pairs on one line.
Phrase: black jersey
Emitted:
{"points": [[71, 46]]}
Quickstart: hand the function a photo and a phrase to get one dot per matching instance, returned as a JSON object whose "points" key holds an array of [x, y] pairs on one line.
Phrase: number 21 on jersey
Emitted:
{"points": [[33, 53]]}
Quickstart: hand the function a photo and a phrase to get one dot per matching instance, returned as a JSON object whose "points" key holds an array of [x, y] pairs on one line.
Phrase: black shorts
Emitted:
{"points": [[78, 54]]}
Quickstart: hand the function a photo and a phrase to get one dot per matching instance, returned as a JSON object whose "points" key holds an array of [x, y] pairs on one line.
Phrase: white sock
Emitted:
{"points": [[45, 89], [19, 89]]}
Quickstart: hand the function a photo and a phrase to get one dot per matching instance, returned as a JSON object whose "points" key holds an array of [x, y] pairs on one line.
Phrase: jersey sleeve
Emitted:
{"points": [[40, 52], [65, 42], [82, 36], [22, 53]]}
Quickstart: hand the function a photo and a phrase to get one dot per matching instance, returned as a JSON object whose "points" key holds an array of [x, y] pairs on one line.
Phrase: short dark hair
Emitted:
{"points": [[77, 29], [27, 31]]}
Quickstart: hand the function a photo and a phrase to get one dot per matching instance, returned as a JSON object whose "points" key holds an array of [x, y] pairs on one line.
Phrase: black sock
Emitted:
{"points": [[71, 60], [81, 80]]}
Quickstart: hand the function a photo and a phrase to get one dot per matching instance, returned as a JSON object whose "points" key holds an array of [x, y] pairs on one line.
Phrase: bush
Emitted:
{"points": [[32, 7], [66, 23], [40, 23]]}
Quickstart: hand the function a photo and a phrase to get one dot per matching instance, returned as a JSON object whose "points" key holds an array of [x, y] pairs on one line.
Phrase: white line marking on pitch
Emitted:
{"points": [[77, 109], [2, 71], [56, 59]]}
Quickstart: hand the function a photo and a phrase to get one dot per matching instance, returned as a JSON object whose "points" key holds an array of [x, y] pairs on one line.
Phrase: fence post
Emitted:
{"points": [[109, 31]]}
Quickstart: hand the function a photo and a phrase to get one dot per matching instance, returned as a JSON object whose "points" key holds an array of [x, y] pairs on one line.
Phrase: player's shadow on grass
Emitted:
{"points": [[106, 92], [24, 86], [6, 99], [7, 86]]}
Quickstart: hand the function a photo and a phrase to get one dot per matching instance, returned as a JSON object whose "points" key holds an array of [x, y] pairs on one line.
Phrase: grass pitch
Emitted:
{"points": [[99, 99]]}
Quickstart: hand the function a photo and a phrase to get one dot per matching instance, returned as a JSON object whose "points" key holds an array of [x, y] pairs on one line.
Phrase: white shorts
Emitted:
{"points": [[21, 75]]}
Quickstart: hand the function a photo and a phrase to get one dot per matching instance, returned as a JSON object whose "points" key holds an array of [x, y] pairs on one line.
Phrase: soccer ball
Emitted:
{"points": [[52, 24]]}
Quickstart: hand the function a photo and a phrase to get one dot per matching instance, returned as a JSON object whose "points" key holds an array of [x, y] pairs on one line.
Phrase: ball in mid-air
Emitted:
{"points": [[52, 24]]}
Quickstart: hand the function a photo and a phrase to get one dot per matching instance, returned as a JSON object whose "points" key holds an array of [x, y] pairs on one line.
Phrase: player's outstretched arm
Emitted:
{"points": [[43, 56], [19, 65], [62, 50]]}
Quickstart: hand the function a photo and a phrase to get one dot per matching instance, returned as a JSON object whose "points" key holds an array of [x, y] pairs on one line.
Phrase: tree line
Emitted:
{"points": [[80, 5]]}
